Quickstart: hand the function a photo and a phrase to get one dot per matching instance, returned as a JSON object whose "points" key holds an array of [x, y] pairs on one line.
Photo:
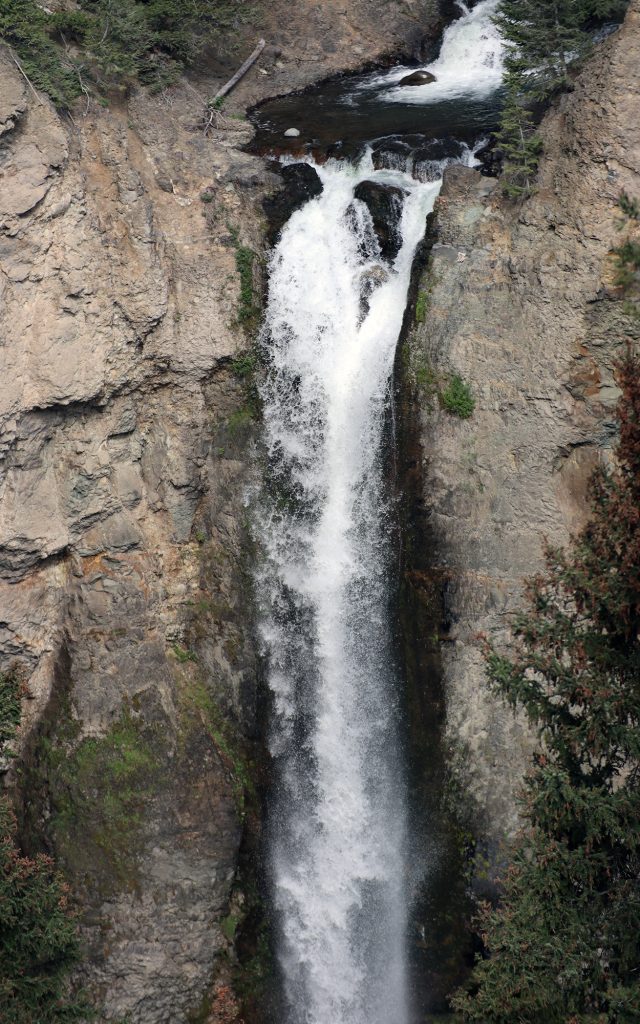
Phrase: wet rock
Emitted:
{"points": [[384, 203], [302, 183], [292, 133], [371, 279], [418, 78]]}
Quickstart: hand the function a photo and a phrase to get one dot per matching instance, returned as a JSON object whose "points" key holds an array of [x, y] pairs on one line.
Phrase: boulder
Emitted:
{"points": [[292, 133], [384, 203], [302, 183], [370, 279], [418, 78]]}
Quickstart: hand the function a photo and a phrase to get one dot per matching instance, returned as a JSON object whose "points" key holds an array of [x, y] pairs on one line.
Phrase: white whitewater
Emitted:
{"points": [[470, 63], [338, 826]]}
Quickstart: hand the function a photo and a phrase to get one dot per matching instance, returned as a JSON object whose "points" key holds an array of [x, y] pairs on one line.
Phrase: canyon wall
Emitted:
{"points": [[124, 447], [519, 300]]}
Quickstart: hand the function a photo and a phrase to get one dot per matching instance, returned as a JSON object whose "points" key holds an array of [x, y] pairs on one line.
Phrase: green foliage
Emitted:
{"points": [[422, 304], [564, 946], [520, 144], [457, 398], [111, 42], [248, 310], [38, 935], [628, 257], [630, 207], [545, 41], [10, 693], [27, 29], [245, 365]]}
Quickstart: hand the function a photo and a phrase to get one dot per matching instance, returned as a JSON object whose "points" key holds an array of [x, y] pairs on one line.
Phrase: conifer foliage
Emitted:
{"points": [[545, 39], [38, 935], [564, 946]]}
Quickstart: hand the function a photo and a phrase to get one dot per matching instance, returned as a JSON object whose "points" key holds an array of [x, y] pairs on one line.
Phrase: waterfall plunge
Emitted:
{"points": [[338, 825]]}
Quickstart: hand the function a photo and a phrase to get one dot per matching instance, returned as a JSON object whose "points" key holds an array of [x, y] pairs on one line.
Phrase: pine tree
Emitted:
{"points": [[545, 40], [564, 946], [38, 934], [520, 144]]}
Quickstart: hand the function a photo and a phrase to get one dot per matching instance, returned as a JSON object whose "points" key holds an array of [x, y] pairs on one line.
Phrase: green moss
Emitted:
{"points": [[229, 926], [199, 708], [183, 654], [457, 398], [98, 791]]}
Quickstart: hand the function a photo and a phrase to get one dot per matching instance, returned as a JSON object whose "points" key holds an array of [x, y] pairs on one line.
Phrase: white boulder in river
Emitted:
{"points": [[292, 133]]}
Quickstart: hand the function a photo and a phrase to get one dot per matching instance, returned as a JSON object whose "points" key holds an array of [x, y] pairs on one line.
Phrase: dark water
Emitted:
{"points": [[340, 116]]}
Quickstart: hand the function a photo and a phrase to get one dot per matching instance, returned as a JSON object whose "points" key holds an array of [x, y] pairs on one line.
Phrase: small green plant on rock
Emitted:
{"points": [[248, 311], [457, 398], [422, 304]]}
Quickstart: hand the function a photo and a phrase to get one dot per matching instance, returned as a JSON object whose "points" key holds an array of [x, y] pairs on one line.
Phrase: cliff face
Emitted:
{"points": [[123, 433], [520, 302]]}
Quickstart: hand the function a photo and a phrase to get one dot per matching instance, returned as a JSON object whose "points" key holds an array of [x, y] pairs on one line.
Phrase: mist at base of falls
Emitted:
{"points": [[339, 829]]}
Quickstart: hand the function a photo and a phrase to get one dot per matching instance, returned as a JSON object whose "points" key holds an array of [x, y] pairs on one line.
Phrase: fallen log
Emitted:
{"points": [[242, 70]]}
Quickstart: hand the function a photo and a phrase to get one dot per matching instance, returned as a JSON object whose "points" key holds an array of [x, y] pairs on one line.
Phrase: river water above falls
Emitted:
{"points": [[339, 830]]}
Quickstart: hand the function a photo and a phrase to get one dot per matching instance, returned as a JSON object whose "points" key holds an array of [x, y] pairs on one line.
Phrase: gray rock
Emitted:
{"points": [[292, 133]]}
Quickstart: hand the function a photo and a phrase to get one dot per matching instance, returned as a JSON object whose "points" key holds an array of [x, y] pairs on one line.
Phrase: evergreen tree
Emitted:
{"points": [[38, 935], [520, 144], [544, 39], [564, 946]]}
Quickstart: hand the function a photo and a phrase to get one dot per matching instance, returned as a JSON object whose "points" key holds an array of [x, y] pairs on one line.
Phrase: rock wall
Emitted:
{"points": [[123, 434], [517, 298]]}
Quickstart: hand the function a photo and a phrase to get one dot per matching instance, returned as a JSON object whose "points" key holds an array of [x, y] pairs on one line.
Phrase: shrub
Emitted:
{"points": [[457, 399], [111, 41]]}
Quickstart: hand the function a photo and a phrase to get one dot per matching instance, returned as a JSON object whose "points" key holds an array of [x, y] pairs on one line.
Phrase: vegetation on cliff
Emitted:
{"points": [[546, 40], [38, 935], [110, 43], [565, 943]]}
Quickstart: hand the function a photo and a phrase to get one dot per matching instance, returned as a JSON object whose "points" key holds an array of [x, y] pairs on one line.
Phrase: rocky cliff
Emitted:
{"points": [[519, 300], [124, 429]]}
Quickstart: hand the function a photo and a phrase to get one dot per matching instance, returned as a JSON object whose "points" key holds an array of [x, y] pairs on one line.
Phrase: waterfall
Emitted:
{"points": [[338, 823]]}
